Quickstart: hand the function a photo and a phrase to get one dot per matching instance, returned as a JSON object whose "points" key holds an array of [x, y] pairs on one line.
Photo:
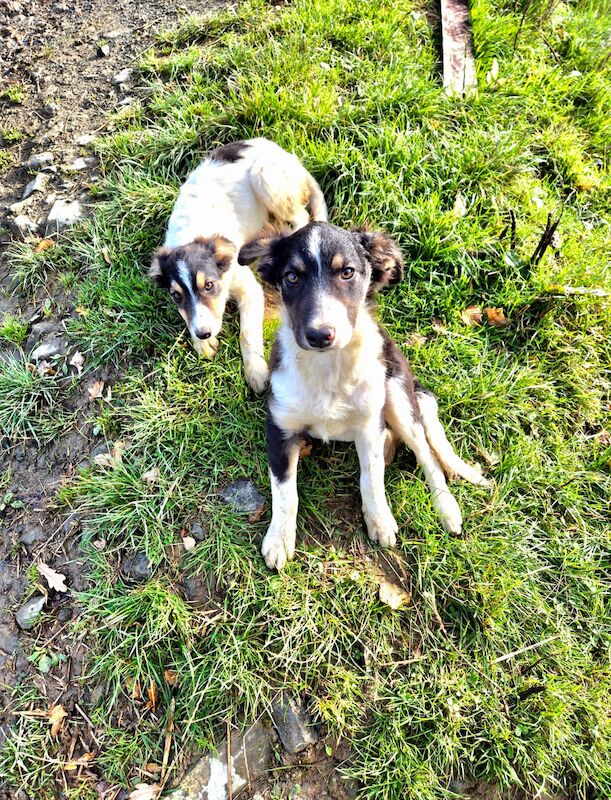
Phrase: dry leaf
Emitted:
{"points": [[305, 448], [415, 339], [460, 208], [57, 714], [117, 451], [56, 580], [133, 686], [104, 460], [603, 437], [82, 311], [438, 326], [44, 244], [78, 361], [154, 769], [153, 696], [472, 315], [45, 368], [151, 476], [393, 595], [106, 256], [95, 390], [188, 542], [496, 317], [145, 791], [171, 677], [83, 761]]}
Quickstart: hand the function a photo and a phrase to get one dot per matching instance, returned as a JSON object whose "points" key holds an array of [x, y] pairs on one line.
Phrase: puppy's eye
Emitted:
{"points": [[209, 285], [291, 277], [347, 273], [176, 296]]}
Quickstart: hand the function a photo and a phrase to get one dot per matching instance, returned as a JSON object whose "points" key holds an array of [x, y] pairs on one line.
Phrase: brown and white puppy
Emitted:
{"points": [[226, 201], [337, 375]]}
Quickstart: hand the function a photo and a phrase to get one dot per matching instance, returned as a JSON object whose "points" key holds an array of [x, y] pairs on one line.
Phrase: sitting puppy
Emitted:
{"points": [[226, 201], [337, 375]]}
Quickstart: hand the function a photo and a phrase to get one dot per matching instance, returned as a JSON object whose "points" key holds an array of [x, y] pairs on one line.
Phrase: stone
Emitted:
{"points": [[99, 450], [244, 497], [37, 184], [198, 531], [103, 50], [63, 214], [251, 755], [85, 139], [23, 226], [9, 638], [39, 160], [18, 208], [83, 163], [199, 589], [29, 613], [136, 568], [123, 78], [50, 349], [293, 724], [32, 536]]}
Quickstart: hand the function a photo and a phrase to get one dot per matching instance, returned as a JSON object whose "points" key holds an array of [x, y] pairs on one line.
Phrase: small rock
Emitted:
{"points": [[198, 532], [9, 639], [49, 110], [122, 78], [50, 349], [85, 139], [199, 589], [115, 34], [99, 450], [244, 497], [23, 226], [136, 568], [37, 184], [32, 536], [39, 160], [103, 50], [250, 757], [18, 208], [29, 613], [63, 214], [292, 724], [83, 163]]}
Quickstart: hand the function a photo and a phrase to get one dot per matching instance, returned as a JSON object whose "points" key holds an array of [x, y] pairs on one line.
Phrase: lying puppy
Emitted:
{"points": [[226, 201], [337, 375]]}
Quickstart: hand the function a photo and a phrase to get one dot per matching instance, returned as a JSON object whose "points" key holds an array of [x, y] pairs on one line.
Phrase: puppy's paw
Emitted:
{"points": [[382, 528], [278, 547], [257, 373], [206, 347], [450, 513]]}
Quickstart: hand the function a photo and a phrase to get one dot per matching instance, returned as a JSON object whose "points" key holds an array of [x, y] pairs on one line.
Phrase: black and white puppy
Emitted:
{"points": [[337, 375], [226, 200]]}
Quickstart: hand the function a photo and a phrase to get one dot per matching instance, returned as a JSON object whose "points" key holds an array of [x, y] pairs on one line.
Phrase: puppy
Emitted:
{"points": [[337, 375], [226, 201]]}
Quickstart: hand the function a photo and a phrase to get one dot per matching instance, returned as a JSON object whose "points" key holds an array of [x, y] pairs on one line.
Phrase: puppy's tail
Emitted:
{"points": [[316, 201]]}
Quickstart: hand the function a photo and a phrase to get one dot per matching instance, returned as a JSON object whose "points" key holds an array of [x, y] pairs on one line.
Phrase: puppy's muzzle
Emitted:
{"points": [[320, 337], [202, 333]]}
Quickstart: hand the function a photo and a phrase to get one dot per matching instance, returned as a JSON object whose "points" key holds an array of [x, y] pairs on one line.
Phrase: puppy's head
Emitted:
{"points": [[325, 275], [193, 275]]}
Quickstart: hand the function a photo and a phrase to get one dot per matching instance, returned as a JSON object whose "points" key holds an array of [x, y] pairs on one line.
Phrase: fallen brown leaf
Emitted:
{"points": [[83, 761], [438, 326], [171, 677], [603, 437], [154, 769], [106, 256], [45, 368], [151, 476], [133, 686], [44, 244], [392, 595], [496, 317], [55, 580], [57, 714], [145, 791], [153, 696], [95, 390], [415, 339], [78, 361], [471, 315]]}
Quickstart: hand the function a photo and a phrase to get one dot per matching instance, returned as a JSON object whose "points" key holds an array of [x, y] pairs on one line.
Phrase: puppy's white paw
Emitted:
{"points": [[382, 528], [257, 373], [206, 347], [450, 513], [278, 547]]}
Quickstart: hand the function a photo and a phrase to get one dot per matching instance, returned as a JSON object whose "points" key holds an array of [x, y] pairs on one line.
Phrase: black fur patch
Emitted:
{"points": [[229, 152], [278, 449], [397, 366]]}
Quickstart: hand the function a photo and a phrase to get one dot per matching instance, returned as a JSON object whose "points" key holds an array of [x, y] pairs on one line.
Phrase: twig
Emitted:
{"points": [[169, 728], [568, 291], [507, 656], [229, 777]]}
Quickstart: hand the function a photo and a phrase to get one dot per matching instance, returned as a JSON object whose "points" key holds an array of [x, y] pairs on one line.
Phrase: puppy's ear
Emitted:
{"points": [[266, 249], [385, 257], [223, 250], [157, 270]]}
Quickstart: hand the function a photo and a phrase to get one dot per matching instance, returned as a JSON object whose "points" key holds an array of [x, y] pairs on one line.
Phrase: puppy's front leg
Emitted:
{"points": [[381, 525], [283, 454], [248, 295]]}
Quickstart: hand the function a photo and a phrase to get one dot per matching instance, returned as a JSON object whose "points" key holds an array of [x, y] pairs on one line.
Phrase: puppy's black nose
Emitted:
{"points": [[202, 334], [320, 337]]}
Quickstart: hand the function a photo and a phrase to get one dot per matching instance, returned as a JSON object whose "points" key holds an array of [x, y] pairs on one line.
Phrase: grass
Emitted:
{"points": [[499, 669], [13, 330], [15, 93]]}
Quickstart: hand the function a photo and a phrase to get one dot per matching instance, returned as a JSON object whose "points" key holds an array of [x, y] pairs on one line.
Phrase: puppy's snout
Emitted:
{"points": [[320, 337], [202, 333]]}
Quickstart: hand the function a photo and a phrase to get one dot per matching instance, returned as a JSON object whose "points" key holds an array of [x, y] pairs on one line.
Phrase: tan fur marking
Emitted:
{"points": [[200, 280], [224, 250], [176, 287], [337, 261]]}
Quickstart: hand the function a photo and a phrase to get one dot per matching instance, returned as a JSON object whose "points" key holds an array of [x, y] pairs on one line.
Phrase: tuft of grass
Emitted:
{"points": [[7, 160], [15, 93], [11, 135], [499, 669], [13, 330]]}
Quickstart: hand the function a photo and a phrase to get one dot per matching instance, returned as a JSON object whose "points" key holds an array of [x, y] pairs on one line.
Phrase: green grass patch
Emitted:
{"points": [[499, 669], [13, 330]]}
